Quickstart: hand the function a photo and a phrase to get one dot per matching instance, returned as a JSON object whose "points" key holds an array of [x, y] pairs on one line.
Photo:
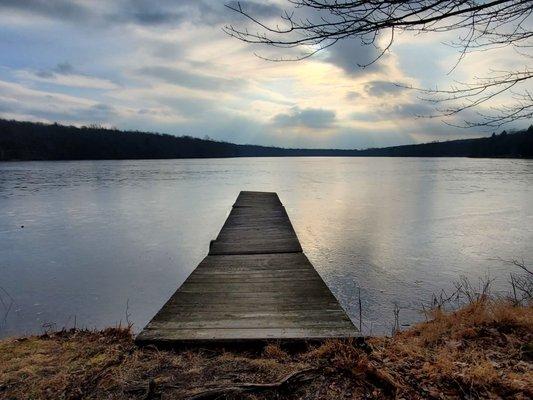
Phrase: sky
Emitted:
{"points": [[167, 66]]}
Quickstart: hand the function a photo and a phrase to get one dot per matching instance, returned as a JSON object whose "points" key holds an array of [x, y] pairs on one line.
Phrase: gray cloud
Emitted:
{"points": [[60, 9], [7, 105], [192, 108], [352, 95], [366, 116], [65, 74], [140, 12], [182, 77], [165, 50], [314, 118], [399, 111], [45, 73], [103, 108], [383, 88], [149, 12], [63, 68], [348, 54], [257, 9], [100, 112], [413, 110]]}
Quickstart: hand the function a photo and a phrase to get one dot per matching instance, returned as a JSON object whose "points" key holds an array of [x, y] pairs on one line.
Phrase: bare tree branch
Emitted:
{"points": [[315, 25]]}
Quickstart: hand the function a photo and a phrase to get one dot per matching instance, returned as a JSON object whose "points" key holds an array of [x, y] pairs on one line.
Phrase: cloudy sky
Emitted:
{"points": [[167, 66]]}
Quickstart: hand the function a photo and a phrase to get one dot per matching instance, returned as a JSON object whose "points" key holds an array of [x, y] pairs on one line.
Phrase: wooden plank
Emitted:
{"points": [[257, 224], [223, 314], [253, 199], [174, 336], [254, 247], [255, 284]]}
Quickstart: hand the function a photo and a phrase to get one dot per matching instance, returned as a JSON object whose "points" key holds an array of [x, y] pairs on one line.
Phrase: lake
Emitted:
{"points": [[96, 243]]}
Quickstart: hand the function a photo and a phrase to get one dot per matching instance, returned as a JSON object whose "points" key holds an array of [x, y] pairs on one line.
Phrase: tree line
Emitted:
{"points": [[38, 141]]}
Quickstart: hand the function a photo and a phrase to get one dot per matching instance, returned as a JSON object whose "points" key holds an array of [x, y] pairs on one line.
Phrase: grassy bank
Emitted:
{"points": [[483, 350]]}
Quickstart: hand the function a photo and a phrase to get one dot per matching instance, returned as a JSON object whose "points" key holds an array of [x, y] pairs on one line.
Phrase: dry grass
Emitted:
{"points": [[483, 350]]}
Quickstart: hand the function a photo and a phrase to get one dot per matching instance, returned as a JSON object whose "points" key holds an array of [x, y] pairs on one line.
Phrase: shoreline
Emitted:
{"points": [[511, 157], [483, 350], [24, 140]]}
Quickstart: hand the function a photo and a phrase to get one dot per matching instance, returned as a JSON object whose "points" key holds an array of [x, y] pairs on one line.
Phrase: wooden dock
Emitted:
{"points": [[255, 284]]}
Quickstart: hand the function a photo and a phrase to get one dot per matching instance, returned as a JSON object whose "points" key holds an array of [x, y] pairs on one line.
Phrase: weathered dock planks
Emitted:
{"points": [[257, 224], [255, 284]]}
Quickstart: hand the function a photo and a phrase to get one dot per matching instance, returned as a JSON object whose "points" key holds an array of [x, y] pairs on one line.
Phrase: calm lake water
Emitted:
{"points": [[103, 239]]}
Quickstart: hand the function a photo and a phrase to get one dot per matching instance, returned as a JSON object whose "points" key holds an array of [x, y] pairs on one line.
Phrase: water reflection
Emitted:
{"points": [[99, 234]]}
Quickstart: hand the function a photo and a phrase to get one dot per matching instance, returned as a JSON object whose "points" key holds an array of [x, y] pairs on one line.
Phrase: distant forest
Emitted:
{"points": [[38, 141]]}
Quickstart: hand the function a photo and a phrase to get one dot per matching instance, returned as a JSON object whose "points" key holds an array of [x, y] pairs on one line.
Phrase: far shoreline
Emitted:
{"points": [[30, 141], [262, 157]]}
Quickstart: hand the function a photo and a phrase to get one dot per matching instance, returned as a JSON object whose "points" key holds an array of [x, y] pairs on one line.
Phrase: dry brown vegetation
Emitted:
{"points": [[483, 350]]}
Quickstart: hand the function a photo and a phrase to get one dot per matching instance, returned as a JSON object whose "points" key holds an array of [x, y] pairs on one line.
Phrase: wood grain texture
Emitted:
{"points": [[257, 224], [255, 284]]}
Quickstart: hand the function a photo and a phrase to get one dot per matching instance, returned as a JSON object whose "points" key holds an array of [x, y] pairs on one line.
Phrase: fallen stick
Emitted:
{"points": [[381, 378], [289, 382]]}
